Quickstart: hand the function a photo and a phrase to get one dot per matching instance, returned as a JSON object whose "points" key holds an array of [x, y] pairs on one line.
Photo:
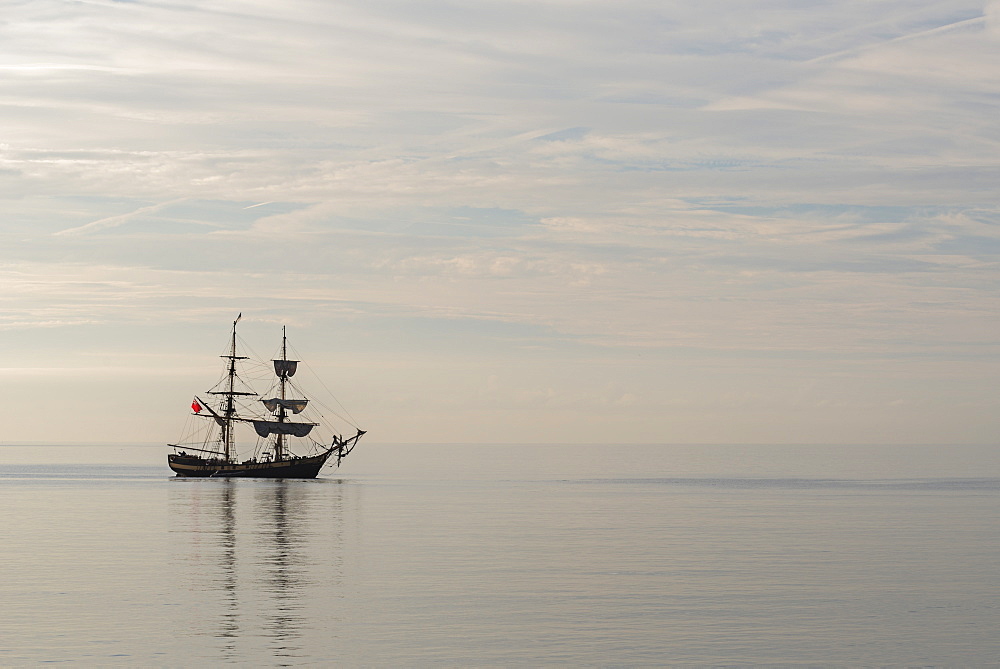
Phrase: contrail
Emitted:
{"points": [[114, 221], [901, 38]]}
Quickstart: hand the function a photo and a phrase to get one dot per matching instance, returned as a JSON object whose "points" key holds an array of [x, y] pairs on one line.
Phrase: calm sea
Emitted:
{"points": [[433, 555]]}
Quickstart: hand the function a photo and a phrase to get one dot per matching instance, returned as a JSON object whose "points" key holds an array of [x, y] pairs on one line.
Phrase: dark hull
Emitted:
{"points": [[295, 468]]}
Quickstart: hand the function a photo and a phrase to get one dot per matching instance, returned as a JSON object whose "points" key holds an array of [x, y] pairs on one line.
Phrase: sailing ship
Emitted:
{"points": [[283, 418]]}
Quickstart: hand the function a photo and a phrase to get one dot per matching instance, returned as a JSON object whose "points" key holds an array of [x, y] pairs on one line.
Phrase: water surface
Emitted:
{"points": [[456, 555]]}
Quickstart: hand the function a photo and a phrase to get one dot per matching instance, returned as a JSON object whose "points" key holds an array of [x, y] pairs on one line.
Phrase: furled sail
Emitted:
{"points": [[285, 368], [295, 406], [202, 405], [268, 427]]}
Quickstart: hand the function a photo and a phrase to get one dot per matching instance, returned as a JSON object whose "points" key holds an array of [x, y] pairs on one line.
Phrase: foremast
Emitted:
{"points": [[281, 368], [282, 406]]}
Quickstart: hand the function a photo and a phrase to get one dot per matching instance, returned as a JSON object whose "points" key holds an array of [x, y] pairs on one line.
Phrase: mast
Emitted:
{"points": [[227, 428], [230, 392], [282, 406], [279, 442]]}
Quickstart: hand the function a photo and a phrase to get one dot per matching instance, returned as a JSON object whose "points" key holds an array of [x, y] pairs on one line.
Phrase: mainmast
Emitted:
{"points": [[227, 428], [229, 410]]}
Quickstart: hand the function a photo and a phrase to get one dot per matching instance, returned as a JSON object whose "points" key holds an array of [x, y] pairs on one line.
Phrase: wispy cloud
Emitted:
{"points": [[573, 187]]}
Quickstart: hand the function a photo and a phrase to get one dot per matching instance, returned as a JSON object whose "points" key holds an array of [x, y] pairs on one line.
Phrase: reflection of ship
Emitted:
{"points": [[262, 562], [285, 448], [286, 578], [230, 625]]}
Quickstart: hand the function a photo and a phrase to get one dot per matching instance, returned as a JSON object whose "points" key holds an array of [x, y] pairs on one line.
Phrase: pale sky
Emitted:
{"points": [[507, 221]]}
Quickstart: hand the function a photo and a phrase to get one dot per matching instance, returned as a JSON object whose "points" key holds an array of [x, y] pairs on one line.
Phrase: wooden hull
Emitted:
{"points": [[295, 468]]}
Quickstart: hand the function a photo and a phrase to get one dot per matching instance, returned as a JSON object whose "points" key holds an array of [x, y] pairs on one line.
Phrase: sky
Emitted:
{"points": [[501, 221]]}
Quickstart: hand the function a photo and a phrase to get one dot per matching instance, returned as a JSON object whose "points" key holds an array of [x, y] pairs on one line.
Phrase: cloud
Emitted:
{"points": [[991, 11], [570, 183]]}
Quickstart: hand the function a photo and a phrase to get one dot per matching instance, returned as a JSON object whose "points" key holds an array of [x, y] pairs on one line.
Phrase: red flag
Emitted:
{"points": [[195, 406]]}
